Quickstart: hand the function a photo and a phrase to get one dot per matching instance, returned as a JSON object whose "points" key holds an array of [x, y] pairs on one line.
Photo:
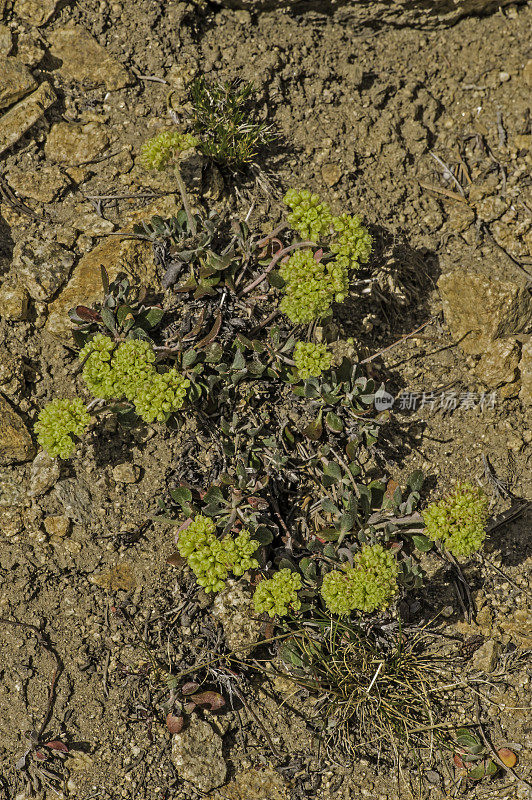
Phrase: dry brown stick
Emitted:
{"points": [[446, 192]]}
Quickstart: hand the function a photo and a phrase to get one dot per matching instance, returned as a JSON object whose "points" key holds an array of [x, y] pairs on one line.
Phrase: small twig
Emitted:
{"points": [[446, 192], [266, 239], [484, 228], [494, 753], [140, 195], [272, 264], [448, 172], [251, 712]]}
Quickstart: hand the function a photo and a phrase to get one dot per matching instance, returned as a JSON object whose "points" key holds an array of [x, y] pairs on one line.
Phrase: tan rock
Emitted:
{"points": [[36, 12], [85, 60], [42, 183], [6, 41], [130, 256], [331, 174], [24, 114], [126, 473], [85, 285], [14, 300], [43, 267], [58, 525], [525, 367], [72, 143], [527, 72], [29, 49], [479, 309], [45, 472], [255, 784], [486, 657], [499, 363], [16, 81], [15, 441]]}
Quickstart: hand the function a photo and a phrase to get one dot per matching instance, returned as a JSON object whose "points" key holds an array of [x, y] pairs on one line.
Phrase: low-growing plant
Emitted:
{"points": [[225, 120]]}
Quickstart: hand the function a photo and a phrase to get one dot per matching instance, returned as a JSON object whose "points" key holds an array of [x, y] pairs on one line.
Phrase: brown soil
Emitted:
{"points": [[359, 113]]}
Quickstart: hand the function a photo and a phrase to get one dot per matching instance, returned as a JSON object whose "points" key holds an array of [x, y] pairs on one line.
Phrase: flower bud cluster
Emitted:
{"points": [[459, 520], [309, 289], [128, 371], [353, 244], [211, 559], [310, 218], [276, 594], [58, 422], [157, 152], [311, 359], [368, 585]]}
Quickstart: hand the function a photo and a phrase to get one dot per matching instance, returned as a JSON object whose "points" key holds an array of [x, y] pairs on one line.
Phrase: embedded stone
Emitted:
{"points": [[479, 309], [197, 756], [45, 473], [43, 267], [42, 184], [14, 300], [525, 367], [499, 363], [57, 525], [73, 143], [16, 444], [20, 118], [16, 81], [36, 12], [85, 60]]}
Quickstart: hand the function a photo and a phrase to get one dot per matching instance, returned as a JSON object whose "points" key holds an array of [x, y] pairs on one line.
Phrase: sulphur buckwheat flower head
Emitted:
{"points": [[276, 594], [352, 244], [132, 367], [308, 292], [158, 151], [58, 422], [97, 372], [458, 520], [161, 395], [311, 359], [368, 585], [211, 559], [310, 218]]}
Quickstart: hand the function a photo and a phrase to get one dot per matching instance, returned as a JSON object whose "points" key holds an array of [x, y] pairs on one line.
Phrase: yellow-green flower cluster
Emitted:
{"points": [[368, 585], [278, 593], [353, 242], [58, 422], [310, 218], [158, 151], [128, 371], [459, 520], [310, 287], [311, 359], [211, 559], [161, 395]]}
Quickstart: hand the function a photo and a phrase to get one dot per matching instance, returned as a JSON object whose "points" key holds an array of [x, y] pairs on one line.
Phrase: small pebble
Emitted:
{"points": [[126, 473]]}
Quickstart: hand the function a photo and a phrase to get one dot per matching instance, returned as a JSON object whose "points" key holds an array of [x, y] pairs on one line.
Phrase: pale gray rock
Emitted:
{"points": [[486, 657], [45, 472], [233, 608], [197, 756]]}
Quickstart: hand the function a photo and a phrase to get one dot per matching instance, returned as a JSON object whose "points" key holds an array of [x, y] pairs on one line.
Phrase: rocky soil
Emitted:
{"points": [[425, 131]]}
